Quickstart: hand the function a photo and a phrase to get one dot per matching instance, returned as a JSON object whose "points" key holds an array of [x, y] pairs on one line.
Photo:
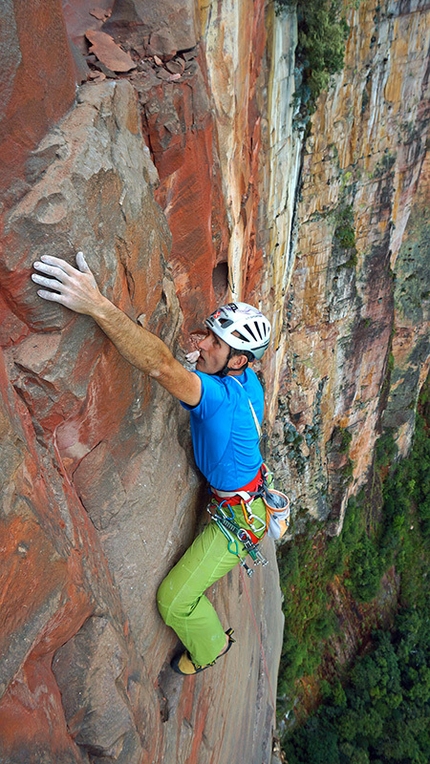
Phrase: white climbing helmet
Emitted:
{"points": [[241, 326]]}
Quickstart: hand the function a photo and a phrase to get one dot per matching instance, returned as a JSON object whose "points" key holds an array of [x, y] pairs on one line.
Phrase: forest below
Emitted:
{"points": [[376, 709]]}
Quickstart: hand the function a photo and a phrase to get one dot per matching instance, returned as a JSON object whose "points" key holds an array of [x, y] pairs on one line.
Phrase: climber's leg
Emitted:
{"points": [[181, 601], [180, 598]]}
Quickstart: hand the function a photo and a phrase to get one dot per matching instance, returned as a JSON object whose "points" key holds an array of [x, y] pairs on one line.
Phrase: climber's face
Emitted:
{"points": [[214, 353]]}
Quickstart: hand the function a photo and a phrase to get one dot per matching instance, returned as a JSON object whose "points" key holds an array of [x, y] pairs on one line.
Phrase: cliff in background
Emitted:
{"points": [[178, 174], [355, 339]]}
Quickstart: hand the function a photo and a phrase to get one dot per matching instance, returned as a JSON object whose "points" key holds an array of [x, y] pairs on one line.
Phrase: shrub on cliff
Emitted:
{"points": [[322, 32]]}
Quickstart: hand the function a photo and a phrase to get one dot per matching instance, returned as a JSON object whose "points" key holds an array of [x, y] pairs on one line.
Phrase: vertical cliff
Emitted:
{"points": [[355, 333], [100, 492], [169, 153]]}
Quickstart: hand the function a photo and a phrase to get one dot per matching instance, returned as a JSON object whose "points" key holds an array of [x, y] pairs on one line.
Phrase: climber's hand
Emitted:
{"points": [[75, 288]]}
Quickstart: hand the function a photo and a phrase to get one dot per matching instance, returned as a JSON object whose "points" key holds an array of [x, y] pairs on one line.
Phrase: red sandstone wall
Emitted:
{"points": [[100, 494], [37, 85]]}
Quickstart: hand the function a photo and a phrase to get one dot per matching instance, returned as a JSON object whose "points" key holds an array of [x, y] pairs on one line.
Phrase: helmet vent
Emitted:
{"points": [[248, 328], [257, 328], [240, 336]]}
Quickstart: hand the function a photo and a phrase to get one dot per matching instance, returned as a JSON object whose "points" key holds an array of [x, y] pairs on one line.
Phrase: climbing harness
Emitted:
{"points": [[275, 524], [277, 503], [222, 514]]}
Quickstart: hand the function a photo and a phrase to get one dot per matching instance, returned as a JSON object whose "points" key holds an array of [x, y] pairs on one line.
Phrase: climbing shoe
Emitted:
{"points": [[183, 663]]}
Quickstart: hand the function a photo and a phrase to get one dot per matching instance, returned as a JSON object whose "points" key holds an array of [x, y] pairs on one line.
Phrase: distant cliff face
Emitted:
{"points": [[100, 494], [355, 343]]}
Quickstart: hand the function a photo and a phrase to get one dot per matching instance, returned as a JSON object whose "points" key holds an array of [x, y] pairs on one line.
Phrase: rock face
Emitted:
{"points": [[100, 493], [178, 177], [37, 86]]}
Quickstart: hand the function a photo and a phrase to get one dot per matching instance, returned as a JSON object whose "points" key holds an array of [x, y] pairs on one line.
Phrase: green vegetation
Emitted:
{"points": [[307, 566], [322, 32], [383, 714], [380, 713], [344, 233], [385, 165], [345, 440], [365, 566], [304, 579]]}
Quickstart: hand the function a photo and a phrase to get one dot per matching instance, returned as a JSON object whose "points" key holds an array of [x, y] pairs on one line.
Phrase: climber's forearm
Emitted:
{"points": [[147, 352], [137, 345], [76, 289]]}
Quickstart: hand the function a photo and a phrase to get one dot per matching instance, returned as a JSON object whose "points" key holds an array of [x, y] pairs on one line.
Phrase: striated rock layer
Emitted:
{"points": [[36, 88]]}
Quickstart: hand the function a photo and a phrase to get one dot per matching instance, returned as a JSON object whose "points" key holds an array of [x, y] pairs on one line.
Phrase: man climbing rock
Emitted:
{"points": [[225, 401]]}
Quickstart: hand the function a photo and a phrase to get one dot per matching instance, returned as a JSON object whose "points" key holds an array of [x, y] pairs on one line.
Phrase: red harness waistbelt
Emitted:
{"points": [[232, 498]]}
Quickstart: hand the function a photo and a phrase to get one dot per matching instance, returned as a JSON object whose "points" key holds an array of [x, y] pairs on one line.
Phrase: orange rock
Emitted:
{"points": [[31, 61], [108, 52]]}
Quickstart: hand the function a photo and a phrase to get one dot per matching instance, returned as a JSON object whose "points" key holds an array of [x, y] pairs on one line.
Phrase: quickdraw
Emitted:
{"points": [[254, 522], [233, 532]]}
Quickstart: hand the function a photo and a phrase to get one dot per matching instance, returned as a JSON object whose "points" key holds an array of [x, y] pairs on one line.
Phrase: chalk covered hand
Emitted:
{"points": [[75, 288]]}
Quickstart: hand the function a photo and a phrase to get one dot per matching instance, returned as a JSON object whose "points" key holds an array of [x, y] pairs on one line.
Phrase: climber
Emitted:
{"points": [[225, 400]]}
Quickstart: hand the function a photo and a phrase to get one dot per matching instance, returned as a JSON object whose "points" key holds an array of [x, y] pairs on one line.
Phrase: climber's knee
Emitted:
{"points": [[175, 599], [164, 599]]}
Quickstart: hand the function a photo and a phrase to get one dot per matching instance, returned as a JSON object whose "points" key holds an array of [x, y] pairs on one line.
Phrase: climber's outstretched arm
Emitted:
{"points": [[77, 290]]}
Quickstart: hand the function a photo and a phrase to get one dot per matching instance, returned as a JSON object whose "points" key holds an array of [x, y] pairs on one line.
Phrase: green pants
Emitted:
{"points": [[180, 597]]}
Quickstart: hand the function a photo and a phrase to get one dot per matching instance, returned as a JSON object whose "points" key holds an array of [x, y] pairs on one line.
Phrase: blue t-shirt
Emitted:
{"points": [[225, 438]]}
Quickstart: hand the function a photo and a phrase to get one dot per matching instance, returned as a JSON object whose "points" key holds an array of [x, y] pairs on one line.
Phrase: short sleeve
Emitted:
{"points": [[213, 396]]}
